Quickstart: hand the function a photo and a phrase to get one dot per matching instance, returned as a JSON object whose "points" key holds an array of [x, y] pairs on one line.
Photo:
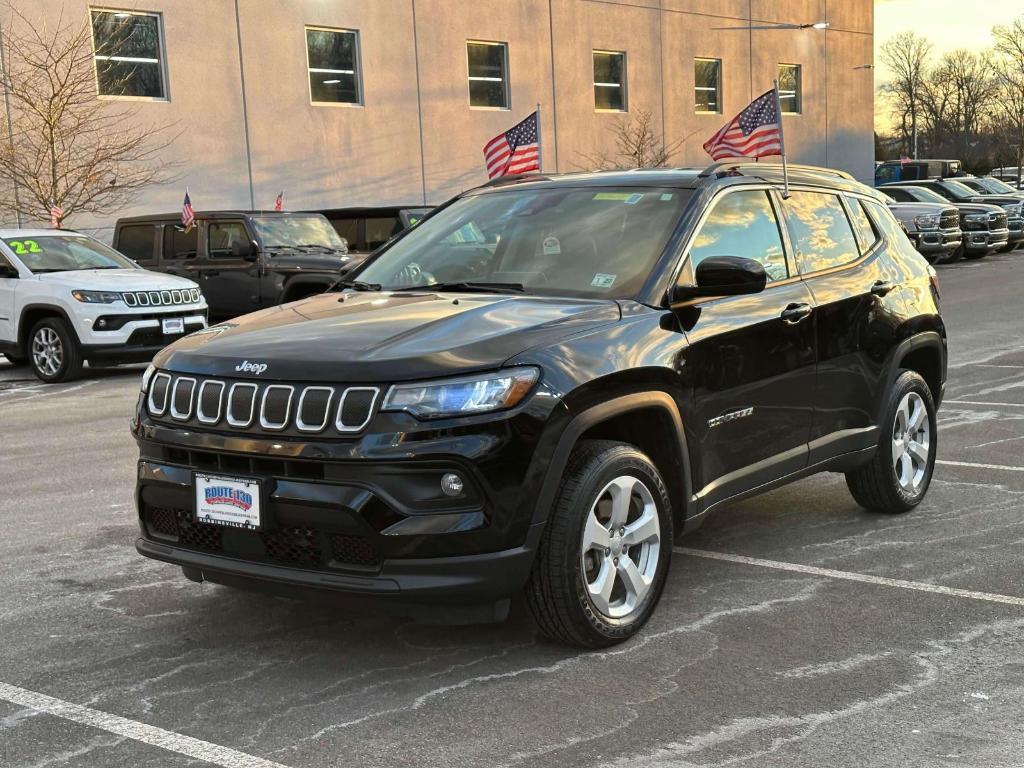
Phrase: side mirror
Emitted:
{"points": [[723, 276], [244, 250]]}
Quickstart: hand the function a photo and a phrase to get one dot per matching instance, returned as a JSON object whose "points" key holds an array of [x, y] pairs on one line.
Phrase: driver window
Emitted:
{"points": [[743, 224], [222, 236]]}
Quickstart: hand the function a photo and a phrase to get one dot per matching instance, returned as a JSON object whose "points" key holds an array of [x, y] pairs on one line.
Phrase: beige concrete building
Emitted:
{"points": [[365, 102]]}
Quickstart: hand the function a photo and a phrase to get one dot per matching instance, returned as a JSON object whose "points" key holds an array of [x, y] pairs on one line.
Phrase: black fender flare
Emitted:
{"points": [[24, 330], [302, 281], [922, 340], [597, 414]]}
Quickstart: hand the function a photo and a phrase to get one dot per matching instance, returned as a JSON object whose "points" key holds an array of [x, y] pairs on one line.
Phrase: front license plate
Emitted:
{"points": [[174, 325], [230, 501]]}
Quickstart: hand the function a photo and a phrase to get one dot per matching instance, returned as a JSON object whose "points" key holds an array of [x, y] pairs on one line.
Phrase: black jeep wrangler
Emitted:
{"points": [[544, 383], [242, 260]]}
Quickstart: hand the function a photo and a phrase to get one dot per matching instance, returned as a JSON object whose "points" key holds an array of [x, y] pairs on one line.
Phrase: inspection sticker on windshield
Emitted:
{"points": [[551, 246], [601, 280], [623, 197]]}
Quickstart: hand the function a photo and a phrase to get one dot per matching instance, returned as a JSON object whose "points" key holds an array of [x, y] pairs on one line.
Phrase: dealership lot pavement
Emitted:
{"points": [[796, 629]]}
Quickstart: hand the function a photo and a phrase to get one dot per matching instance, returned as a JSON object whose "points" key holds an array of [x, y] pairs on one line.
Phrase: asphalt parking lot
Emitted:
{"points": [[796, 629]]}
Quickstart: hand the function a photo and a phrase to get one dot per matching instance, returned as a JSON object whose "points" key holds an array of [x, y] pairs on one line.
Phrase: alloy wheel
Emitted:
{"points": [[47, 351], [911, 443], [621, 546]]}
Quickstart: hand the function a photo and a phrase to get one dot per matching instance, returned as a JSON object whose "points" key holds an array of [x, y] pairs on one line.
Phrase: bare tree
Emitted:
{"points": [[61, 145], [907, 56], [957, 102], [1008, 65], [635, 145]]}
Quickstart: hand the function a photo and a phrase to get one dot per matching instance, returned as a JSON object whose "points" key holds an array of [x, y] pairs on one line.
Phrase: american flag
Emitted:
{"points": [[754, 132], [188, 216], [56, 214], [279, 203], [517, 150]]}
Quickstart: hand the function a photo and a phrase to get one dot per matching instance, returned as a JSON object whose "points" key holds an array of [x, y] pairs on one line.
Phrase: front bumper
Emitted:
{"points": [[938, 240], [363, 515], [982, 241]]}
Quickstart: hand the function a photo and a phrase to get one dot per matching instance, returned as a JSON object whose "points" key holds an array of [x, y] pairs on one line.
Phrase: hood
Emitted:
{"points": [[979, 208], [383, 337], [906, 211], [116, 280], [997, 200], [287, 259]]}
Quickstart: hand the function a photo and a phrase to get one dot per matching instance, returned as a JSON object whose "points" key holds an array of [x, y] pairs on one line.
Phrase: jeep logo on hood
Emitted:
{"points": [[254, 368]]}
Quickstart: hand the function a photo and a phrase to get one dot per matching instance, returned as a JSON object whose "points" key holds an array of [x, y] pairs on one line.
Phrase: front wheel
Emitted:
{"points": [[603, 559], [54, 353], [898, 476]]}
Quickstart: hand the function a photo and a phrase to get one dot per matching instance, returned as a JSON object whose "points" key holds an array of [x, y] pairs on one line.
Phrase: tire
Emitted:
{"points": [[897, 478], [557, 592], [54, 353]]}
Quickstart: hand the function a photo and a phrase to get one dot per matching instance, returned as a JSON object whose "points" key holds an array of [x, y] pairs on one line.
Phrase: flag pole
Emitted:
{"points": [[782, 142], [540, 144]]}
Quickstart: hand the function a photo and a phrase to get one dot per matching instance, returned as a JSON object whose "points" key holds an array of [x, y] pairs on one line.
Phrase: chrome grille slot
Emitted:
{"points": [[355, 408], [241, 400], [253, 407], [275, 407], [181, 398], [165, 298], [314, 409], [208, 404]]}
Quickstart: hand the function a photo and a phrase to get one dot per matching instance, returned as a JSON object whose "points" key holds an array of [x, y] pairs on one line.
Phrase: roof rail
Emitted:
{"points": [[513, 178], [741, 163]]}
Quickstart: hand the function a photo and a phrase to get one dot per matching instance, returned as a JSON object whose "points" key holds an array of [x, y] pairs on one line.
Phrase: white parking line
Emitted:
{"points": [[917, 586], [975, 402], [979, 466], [131, 729]]}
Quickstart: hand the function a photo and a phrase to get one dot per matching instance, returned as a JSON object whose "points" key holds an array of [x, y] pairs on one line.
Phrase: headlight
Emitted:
{"points": [[147, 377], [928, 220], [1012, 208], [456, 397], [97, 297], [976, 218]]}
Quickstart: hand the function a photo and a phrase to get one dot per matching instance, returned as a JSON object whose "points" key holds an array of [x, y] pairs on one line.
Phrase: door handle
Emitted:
{"points": [[794, 313], [882, 287]]}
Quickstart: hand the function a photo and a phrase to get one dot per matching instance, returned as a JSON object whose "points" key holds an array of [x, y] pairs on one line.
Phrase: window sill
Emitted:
{"points": [[111, 97], [490, 109], [611, 111], [705, 112], [345, 104]]}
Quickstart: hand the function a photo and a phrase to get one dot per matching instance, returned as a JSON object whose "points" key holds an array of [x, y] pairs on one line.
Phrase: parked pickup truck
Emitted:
{"points": [[983, 227], [915, 170], [933, 227], [242, 260]]}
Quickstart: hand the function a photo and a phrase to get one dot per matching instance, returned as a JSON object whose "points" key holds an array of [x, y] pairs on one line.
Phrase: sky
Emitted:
{"points": [[948, 24]]}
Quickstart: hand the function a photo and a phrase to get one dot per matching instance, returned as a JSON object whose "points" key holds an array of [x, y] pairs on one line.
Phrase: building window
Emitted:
{"points": [[333, 59], [128, 52], [707, 85], [488, 74], [790, 97], [610, 80]]}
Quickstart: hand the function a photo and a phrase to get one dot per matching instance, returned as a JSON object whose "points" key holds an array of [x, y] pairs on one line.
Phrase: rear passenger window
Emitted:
{"points": [[137, 243], [381, 229], [866, 234], [743, 224], [179, 244], [349, 229], [821, 233]]}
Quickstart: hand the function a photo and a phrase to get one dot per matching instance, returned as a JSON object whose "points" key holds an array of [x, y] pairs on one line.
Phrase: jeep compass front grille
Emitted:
{"points": [[162, 298], [245, 406]]}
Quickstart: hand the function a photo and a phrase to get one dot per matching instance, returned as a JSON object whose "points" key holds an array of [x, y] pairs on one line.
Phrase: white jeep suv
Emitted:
{"points": [[66, 298]]}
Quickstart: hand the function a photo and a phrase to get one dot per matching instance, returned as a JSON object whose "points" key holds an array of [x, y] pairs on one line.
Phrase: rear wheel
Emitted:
{"points": [[605, 553], [898, 476], [54, 353]]}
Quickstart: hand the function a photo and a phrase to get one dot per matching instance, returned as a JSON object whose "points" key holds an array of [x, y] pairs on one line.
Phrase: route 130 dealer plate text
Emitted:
{"points": [[229, 501]]}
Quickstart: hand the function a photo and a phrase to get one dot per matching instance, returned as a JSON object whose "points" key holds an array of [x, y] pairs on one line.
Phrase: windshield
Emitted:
{"points": [[924, 195], [997, 187], [295, 231], [958, 190], [588, 242], [60, 253]]}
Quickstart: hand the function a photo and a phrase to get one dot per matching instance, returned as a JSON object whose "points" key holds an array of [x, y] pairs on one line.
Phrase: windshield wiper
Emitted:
{"points": [[467, 287], [304, 246], [356, 285]]}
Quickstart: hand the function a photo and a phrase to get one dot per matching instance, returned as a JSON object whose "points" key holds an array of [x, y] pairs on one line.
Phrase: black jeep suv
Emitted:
{"points": [[541, 385]]}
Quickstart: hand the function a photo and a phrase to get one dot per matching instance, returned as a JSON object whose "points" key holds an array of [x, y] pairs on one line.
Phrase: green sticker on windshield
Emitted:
{"points": [[622, 197], [21, 247]]}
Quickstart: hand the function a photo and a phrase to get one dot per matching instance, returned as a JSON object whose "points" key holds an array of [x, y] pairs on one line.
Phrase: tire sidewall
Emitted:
{"points": [[616, 462], [907, 382]]}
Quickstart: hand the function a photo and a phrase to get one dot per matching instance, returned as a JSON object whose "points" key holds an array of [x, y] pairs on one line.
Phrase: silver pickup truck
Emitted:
{"points": [[934, 228]]}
